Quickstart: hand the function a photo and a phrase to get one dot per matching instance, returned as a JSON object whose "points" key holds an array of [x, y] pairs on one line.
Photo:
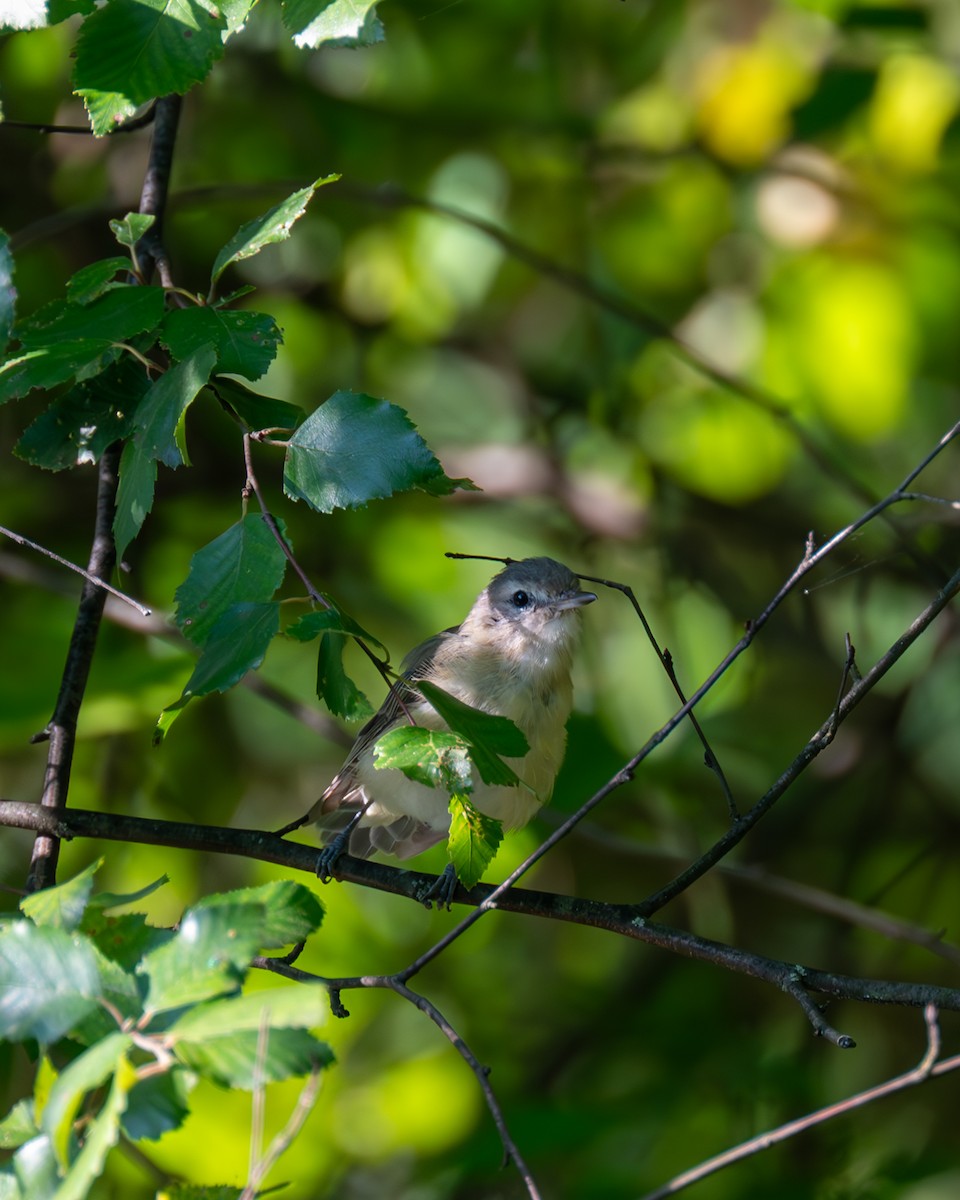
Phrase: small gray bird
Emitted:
{"points": [[511, 656]]}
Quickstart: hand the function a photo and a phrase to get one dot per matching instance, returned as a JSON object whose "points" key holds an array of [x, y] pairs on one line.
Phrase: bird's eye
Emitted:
{"points": [[520, 599]]}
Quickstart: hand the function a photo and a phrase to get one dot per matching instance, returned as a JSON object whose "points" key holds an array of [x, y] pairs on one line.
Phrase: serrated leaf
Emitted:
{"points": [[207, 957], [52, 365], [18, 1126], [91, 281], [238, 1060], [256, 411], [85, 1073], [330, 620], [432, 757], [243, 564], [277, 1008], [63, 906], [355, 448], [138, 49], [77, 427], [106, 110], [119, 988], [131, 228], [124, 938], [161, 409], [235, 645], [488, 734], [101, 1135], [348, 23], [8, 295], [116, 316], [246, 342], [156, 1105], [473, 840], [273, 226], [292, 911], [138, 478], [334, 686], [48, 982]]}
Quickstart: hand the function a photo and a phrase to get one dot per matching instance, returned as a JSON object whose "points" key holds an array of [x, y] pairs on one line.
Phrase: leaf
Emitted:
{"points": [[48, 982], [18, 1126], [85, 1073], [36, 1169], [116, 899], [334, 686], [102, 1134], [292, 911], [8, 294], [131, 228], [273, 226], [62, 907], [166, 401], [238, 1060], [244, 563], [473, 840], [246, 342], [52, 365], [93, 280], [123, 938], [106, 110], [256, 411], [138, 478], [277, 1008], [488, 734], [347, 23], [432, 757], [330, 620], [156, 1105], [78, 427], [117, 316], [208, 956], [235, 645], [354, 449], [135, 50]]}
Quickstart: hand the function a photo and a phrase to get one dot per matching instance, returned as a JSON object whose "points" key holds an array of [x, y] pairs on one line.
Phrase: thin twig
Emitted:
{"points": [[283, 1140], [927, 1068], [65, 562]]}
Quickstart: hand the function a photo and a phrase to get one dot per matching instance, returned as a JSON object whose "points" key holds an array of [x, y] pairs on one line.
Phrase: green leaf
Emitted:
{"points": [[208, 956], [273, 226], [116, 899], [84, 1074], [156, 1105], [131, 229], [473, 840], [48, 982], [238, 1060], [166, 401], [246, 342], [354, 449], [138, 478], [35, 1166], [8, 294], [334, 686], [256, 411], [18, 1126], [91, 281], [432, 757], [123, 938], [135, 50], [100, 1137], [349, 23], [113, 317], [244, 564], [52, 365], [488, 734], [106, 110], [295, 1007], [78, 427], [293, 912], [235, 645], [330, 620], [62, 907]]}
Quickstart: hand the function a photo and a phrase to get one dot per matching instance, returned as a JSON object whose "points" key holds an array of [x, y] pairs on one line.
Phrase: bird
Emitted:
{"points": [[511, 656]]}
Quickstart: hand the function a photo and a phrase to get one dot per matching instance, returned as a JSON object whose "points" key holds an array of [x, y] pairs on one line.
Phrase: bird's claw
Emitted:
{"points": [[327, 859], [442, 890]]}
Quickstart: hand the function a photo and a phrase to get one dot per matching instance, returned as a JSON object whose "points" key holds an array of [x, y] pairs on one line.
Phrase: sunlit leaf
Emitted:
{"points": [[244, 1060], [292, 911], [63, 906], [488, 734], [48, 981], [82, 1075], [349, 23], [131, 228], [432, 757], [473, 840], [281, 1007]]}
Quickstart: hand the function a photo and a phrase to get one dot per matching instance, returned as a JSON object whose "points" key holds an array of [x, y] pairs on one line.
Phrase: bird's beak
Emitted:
{"points": [[577, 600]]}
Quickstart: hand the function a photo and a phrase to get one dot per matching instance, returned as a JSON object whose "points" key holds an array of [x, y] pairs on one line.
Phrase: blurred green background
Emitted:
{"points": [[774, 182]]}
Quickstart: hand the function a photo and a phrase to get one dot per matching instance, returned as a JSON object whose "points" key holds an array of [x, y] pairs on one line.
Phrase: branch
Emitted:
{"points": [[150, 250], [927, 1068], [61, 732], [626, 920]]}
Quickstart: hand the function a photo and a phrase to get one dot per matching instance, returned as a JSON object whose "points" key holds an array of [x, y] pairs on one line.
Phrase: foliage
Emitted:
{"points": [[675, 286]]}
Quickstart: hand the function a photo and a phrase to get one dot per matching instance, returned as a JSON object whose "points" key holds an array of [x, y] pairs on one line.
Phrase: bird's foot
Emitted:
{"points": [[328, 856], [442, 890]]}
